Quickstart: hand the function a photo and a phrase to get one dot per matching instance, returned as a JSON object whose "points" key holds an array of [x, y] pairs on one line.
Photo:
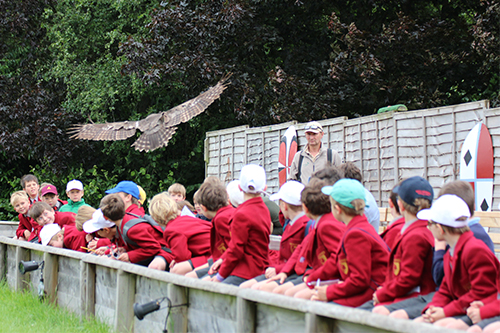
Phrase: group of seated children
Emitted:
{"points": [[434, 262]]}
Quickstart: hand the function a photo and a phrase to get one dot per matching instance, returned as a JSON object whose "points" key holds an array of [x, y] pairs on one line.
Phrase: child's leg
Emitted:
{"points": [[382, 310], [158, 263], [283, 288], [292, 291], [401, 314], [182, 268], [492, 328], [305, 293], [445, 322], [475, 329], [458, 324], [248, 284], [266, 286]]}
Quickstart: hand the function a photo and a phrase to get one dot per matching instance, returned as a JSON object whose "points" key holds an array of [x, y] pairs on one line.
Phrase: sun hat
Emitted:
{"points": [[448, 210], [48, 231], [142, 195], [289, 193], [345, 191], [97, 223]]}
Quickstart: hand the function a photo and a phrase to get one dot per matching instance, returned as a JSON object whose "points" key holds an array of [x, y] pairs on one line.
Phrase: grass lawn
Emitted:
{"points": [[24, 312]]}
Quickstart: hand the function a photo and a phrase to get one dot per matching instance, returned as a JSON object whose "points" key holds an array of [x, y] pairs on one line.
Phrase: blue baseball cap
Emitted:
{"points": [[413, 188], [126, 186], [345, 191]]}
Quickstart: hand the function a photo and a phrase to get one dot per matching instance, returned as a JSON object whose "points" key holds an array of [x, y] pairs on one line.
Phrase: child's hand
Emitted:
{"points": [[473, 311], [172, 264], [100, 251], [92, 244], [375, 299], [319, 294], [433, 314], [215, 267], [439, 245], [279, 277], [270, 272], [124, 257]]}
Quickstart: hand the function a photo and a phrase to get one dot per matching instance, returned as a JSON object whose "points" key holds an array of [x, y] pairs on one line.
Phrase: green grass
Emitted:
{"points": [[24, 312]]}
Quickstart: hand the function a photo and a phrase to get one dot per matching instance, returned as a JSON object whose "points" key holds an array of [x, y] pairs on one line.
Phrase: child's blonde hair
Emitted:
{"points": [[177, 188], [18, 195], [60, 232], [84, 214], [162, 208], [418, 205]]}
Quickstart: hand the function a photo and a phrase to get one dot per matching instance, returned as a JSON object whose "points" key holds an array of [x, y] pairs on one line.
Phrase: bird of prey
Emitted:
{"points": [[157, 128]]}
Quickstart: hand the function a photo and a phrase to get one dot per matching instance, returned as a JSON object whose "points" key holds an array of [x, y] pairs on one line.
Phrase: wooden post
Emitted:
{"points": [[87, 289], [21, 281], [50, 276], [125, 297], [245, 315], [3, 261], [315, 323], [178, 319]]}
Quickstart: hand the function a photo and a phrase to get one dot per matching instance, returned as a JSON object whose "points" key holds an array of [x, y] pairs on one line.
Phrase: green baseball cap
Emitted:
{"points": [[345, 191]]}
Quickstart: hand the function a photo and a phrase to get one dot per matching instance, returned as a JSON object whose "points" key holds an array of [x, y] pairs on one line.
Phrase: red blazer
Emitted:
{"points": [[491, 309], [326, 236], [470, 275], [26, 223], [74, 239], [219, 233], [361, 264], [247, 254], [409, 271], [188, 238], [149, 239], [290, 240], [391, 234]]}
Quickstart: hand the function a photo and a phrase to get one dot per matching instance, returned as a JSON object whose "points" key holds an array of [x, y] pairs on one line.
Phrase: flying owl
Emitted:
{"points": [[157, 128]]}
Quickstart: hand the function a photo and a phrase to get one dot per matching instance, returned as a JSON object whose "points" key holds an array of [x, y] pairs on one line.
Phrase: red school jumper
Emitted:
{"points": [[188, 238], [292, 237], [220, 236], [319, 246], [74, 239], [409, 271], [149, 239], [391, 234], [247, 254], [361, 264], [26, 223], [471, 274]]}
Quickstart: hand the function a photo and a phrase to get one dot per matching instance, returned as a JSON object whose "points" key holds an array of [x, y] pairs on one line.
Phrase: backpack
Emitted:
{"points": [[329, 157], [139, 219]]}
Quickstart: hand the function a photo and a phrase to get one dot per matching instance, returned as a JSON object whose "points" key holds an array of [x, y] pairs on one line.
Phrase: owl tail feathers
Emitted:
{"points": [[151, 140]]}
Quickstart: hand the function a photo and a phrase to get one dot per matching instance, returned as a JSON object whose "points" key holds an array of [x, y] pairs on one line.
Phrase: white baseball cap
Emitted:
{"points": [[253, 179], [74, 185], [97, 223], [234, 193], [289, 192], [446, 210], [48, 231]]}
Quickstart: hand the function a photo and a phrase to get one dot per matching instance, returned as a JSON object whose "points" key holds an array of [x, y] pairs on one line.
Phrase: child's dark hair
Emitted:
{"points": [[28, 178], [359, 207], [461, 189], [38, 208], [212, 196], [330, 174], [394, 199], [350, 170], [316, 201], [418, 205], [113, 207]]}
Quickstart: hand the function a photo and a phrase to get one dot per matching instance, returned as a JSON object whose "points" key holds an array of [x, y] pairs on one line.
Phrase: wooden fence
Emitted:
{"points": [[386, 147]]}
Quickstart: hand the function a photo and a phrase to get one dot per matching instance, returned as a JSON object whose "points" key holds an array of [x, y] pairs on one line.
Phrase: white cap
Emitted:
{"points": [[446, 210], [97, 223], [253, 179], [74, 185], [234, 193], [290, 193], [48, 231]]}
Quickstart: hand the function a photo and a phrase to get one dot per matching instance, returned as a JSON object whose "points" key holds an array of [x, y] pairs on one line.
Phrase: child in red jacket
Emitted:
{"points": [[391, 234], [43, 214], [67, 237], [214, 204], [247, 254], [362, 255], [293, 234], [471, 271], [21, 203], [319, 247], [187, 237], [146, 245], [409, 271]]}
